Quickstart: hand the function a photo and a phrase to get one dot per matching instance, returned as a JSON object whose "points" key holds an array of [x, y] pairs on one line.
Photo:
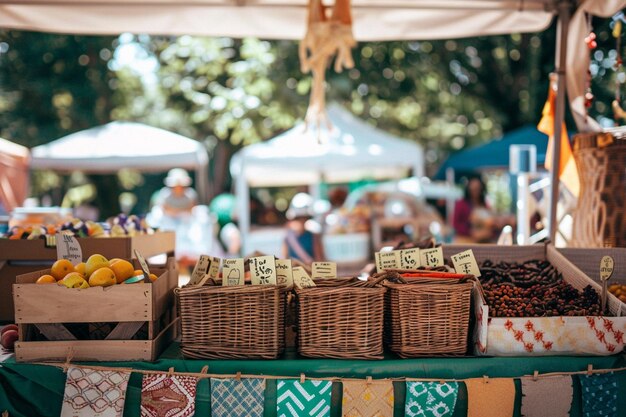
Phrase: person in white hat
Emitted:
{"points": [[300, 243], [178, 197]]}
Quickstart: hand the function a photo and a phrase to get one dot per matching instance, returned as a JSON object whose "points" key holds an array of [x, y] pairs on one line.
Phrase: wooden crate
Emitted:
{"points": [[22, 256], [117, 323], [537, 336]]}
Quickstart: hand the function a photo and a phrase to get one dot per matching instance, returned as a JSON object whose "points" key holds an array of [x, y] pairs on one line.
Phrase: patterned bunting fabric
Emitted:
{"points": [[493, 397], [164, 395], [547, 396], [430, 399], [232, 398], [599, 395], [311, 398], [363, 399], [89, 393]]}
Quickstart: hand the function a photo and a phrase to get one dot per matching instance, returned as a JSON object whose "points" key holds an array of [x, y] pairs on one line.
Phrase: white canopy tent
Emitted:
{"points": [[373, 20], [350, 151], [117, 145]]}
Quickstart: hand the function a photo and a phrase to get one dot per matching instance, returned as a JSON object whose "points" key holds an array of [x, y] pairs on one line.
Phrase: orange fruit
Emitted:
{"points": [[113, 260], [80, 268], [46, 279], [123, 270], [95, 262], [153, 277], [61, 268], [102, 277], [74, 280], [137, 272]]}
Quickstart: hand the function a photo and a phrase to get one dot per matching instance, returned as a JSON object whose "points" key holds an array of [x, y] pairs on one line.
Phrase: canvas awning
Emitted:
{"points": [[13, 174], [277, 19], [118, 145]]}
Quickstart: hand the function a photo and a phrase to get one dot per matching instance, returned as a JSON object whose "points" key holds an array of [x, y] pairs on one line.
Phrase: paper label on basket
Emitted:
{"points": [[387, 260], [301, 279], [409, 258], [233, 272], [465, 263], [284, 273], [214, 269], [324, 270], [200, 270], [263, 270], [431, 257], [144, 266], [68, 248]]}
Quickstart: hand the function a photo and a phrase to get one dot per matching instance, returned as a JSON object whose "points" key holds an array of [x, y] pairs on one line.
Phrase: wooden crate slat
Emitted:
{"points": [[125, 330], [55, 331]]}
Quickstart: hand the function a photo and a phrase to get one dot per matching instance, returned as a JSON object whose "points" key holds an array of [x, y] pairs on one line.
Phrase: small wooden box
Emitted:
{"points": [[117, 323], [23, 256]]}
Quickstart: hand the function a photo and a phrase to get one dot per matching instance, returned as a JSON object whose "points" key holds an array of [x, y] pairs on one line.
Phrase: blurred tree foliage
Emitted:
{"points": [[226, 93]]}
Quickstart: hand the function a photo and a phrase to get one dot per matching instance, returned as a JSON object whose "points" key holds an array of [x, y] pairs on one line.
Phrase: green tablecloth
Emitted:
{"points": [[34, 390]]}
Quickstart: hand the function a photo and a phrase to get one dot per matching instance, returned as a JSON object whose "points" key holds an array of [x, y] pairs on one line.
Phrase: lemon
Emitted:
{"points": [[95, 262]]}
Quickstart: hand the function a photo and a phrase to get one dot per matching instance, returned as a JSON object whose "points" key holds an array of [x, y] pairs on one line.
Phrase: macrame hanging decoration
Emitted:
{"points": [[327, 36]]}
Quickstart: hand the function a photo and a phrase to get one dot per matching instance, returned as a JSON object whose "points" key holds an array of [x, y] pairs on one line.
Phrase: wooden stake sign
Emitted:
{"points": [[233, 272], [284, 273], [606, 270], [263, 270], [144, 266], [68, 248], [324, 270]]}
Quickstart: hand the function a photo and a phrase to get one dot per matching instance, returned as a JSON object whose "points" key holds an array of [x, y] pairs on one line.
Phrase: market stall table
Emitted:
{"points": [[37, 390]]}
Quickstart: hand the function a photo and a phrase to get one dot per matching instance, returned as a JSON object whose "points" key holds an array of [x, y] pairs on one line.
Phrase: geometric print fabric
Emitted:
{"points": [[237, 398], [164, 395], [310, 398], [430, 399], [89, 393], [599, 395], [367, 399]]}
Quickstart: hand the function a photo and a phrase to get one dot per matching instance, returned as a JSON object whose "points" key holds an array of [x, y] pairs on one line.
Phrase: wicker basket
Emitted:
{"points": [[342, 319], [238, 322], [428, 316]]}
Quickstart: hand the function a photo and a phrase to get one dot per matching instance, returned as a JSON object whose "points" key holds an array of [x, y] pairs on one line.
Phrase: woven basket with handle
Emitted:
{"points": [[341, 318], [232, 322], [427, 315]]}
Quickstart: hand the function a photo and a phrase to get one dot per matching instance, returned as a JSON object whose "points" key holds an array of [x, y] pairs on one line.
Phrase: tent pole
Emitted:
{"points": [[564, 8], [243, 209]]}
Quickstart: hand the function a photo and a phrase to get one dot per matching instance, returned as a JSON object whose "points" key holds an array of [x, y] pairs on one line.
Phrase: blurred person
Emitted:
{"points": [[473, 220], [301, 243], [177, 197]]}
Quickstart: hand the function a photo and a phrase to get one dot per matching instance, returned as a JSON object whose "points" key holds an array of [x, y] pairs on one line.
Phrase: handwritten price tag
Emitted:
{"points": [[324, 270], [214, 269], [200, 270], [68, 248], [465, 263], [233, 272], [409, 258], [606, 268], [432, 257], [284, 273], [387, 260], [263, 270], [301, 279]]}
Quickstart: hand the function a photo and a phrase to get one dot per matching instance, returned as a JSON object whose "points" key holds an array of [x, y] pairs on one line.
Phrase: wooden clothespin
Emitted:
{"points": [[485, 379], [589, 369], [205, 369], [238, 376], [443, 381], [68, 358], [170, 371], [368, 380], [535, 375], [302, 378]]}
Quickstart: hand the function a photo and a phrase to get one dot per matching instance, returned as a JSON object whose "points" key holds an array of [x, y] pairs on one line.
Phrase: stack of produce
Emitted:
{"points": [[534, 289]]}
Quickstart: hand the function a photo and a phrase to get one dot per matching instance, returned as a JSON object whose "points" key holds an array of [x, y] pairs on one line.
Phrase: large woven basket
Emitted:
{"points": [[428, 317], [232, 322], [341, 319]]}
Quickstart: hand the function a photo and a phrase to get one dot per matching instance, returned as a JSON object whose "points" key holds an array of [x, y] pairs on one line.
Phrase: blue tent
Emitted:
{"points": [[495, 154]]}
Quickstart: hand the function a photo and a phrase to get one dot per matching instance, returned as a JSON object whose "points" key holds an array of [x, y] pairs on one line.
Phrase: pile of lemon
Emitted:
{"points": [[98, 271]]}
